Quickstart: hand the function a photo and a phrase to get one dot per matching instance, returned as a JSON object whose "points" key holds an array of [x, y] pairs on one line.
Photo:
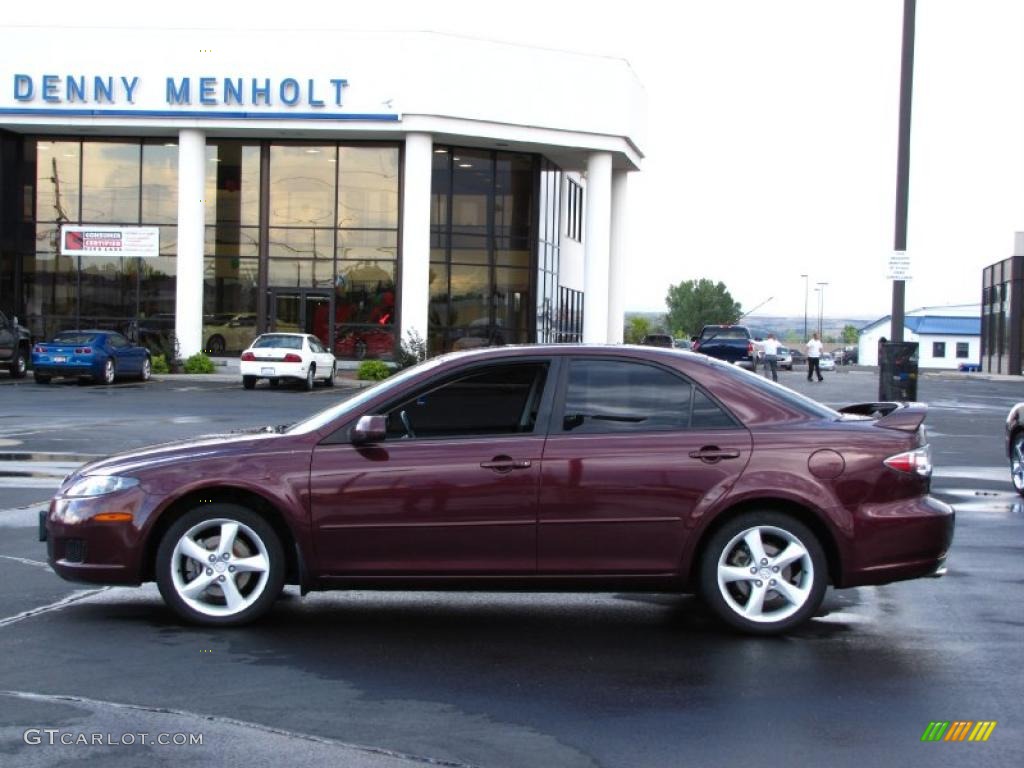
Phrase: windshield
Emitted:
{"points": [[278, 341], [735, 332], [326, 416], [793, 399]]}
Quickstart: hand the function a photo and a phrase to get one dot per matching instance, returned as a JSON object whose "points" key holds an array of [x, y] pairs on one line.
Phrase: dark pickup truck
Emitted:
{"points": [[731, 343], [15, 346]]}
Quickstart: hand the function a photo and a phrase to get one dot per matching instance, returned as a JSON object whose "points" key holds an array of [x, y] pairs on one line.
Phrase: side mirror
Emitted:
{"points": [[369, 429]]}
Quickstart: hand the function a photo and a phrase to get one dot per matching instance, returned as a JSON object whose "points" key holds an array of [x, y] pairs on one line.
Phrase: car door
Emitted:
{"points": [[7, 340], [635, 451], [127, 358], [452, 490]]}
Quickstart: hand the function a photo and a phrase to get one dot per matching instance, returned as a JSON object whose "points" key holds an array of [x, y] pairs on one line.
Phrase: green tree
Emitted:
{"points": [[695, 303], [637, 327], [850, 334]]}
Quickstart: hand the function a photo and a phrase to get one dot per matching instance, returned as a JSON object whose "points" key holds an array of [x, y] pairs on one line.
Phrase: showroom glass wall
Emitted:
{"points": [[327, 246], [483, 244]]}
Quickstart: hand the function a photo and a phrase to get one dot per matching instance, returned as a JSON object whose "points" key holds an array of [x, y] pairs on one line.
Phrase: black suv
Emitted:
{"points": [[658, 340], [15, 346]]}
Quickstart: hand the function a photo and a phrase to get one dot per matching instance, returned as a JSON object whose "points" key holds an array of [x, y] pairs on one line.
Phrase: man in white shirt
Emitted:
{"points": [[814, 357], [770, 349]]}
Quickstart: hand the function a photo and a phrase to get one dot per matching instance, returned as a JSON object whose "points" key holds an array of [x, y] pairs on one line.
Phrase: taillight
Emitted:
{"points": [[248, 356], [750, 347], [291, 357], [83, 351], [38, 349], [696, 346], [912, 462]]}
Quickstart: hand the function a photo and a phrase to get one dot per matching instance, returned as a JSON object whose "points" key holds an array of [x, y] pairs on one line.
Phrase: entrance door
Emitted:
{"points": [[301, 310]]}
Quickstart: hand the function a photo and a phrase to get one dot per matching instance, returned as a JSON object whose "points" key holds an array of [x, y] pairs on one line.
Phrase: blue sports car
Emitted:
{"points": [[99, 355]]}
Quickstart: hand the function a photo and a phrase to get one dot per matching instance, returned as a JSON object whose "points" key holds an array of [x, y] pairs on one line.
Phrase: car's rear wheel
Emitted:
{"points": [[220, 564], [310, 376], [216, 345], [19, 365], [332, 374], [108, 374], [1017, 462], [763, 572], [249, 382]]}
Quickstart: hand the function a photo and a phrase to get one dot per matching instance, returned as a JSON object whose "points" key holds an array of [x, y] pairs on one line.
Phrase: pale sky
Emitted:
{"points": [[771, 144]]}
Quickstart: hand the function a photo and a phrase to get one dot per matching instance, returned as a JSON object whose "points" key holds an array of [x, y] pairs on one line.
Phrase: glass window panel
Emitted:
{"points": [[50, 286], [511, 300], [614, 396], [513, 196], [365, 292], [300, 273], [110, 182], [707, 414], [107, 290], [368, 187], [367, 244], [47, 238], [470, 249], [472, 190], [230, 287], [438, 293], [302, 185], [440, 188], [168, 241], [232, 241], [232, 183], [57, 180], [301, 243], [512, 253], [160, 183]]}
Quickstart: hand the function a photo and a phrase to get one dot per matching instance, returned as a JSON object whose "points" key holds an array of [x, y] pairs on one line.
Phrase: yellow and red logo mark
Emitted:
{"points": [[958, 730]]}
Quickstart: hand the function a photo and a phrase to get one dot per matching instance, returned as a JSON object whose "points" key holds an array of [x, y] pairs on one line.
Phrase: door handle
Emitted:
{"points": [[711, 454], [506, 464]]}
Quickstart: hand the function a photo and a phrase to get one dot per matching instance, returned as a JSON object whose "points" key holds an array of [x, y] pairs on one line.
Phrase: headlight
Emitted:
{"points": [[99, 485]]}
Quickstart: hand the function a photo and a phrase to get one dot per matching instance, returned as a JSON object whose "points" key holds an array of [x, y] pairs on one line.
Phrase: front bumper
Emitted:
{"points": [[81, 548], [905, 539]]}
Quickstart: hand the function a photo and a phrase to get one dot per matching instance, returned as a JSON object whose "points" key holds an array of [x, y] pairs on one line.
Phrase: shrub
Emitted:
{"points": [[412, 351], [159, 364], [372, 370], [199, 363]]}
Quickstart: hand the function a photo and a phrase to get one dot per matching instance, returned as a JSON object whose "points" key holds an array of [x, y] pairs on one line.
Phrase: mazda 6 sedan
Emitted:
{"points": [[534, 468]]}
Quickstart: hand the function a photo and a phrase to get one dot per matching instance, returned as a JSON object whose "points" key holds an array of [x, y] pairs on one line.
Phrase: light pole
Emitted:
{"points": [[805, 305], [821, 308]]}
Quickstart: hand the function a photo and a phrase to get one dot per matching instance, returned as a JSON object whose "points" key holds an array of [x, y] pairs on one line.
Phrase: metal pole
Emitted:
{"points": [[821, 311], [806, 283], [903, 162]]}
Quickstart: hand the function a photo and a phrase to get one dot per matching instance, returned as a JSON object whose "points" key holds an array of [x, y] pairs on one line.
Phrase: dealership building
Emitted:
{"points": [[359, 186]]}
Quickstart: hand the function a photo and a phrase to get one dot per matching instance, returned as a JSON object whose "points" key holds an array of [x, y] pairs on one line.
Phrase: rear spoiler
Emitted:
{"points": [[906, 417]]}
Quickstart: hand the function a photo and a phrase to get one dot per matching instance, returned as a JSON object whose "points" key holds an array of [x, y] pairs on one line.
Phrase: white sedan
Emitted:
{"points": [[827, 362], [277, 356]]}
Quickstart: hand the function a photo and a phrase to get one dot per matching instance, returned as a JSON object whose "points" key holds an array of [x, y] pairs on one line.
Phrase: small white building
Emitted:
{"points": [[947, 336]]}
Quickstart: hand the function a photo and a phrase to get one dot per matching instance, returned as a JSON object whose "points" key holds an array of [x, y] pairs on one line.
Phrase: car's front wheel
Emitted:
{"points": [[763, 572], [1017, 462], [19, 366], [220, 564], [147, 369]]}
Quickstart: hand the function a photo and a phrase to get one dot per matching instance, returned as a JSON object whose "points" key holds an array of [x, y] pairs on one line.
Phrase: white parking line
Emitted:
{"points": [[25, 561], [64, 602]]}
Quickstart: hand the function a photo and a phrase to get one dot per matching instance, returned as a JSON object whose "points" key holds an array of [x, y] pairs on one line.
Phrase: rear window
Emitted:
{"points": [[74, 338], [278, 341], [788, 396], [735, 332]]}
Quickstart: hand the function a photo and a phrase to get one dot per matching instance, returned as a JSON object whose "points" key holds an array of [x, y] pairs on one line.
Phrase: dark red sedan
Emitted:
{"points": [[541, 467]]}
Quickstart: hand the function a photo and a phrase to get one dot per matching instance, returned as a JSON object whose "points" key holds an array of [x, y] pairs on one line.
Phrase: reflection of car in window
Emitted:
{"points": [[480, 333], [361, 341], [228, 333]]}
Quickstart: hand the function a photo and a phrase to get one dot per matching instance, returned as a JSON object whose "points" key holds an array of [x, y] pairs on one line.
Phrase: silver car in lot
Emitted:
{"points": [[785, 358]]}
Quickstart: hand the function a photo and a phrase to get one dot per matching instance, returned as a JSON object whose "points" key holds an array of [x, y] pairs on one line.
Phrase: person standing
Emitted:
{"points": [[770, 349], [814, 357]]}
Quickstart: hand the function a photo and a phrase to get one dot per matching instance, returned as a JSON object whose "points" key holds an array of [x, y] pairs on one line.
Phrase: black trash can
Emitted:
{"points": [[897, 370]]}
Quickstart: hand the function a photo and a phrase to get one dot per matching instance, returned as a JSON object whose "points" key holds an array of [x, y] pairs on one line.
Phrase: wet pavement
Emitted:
{"points": [[361, 678]]}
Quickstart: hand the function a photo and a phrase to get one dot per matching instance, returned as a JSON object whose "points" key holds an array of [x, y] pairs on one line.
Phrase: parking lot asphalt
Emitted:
{"points": [[484, 679]]}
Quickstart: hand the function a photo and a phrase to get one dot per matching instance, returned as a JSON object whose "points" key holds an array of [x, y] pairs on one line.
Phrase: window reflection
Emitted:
{"points": [[302, 180], [160, 183], [57, 180], [368, 187], [110, 182]]}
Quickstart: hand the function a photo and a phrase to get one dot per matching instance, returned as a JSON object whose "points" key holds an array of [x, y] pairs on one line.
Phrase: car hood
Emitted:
{"points": [[197, 448]]}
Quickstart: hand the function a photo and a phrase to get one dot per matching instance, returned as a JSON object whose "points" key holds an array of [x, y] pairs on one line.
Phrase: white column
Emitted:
{"points": [[188, 326], [596, 248], [617, 256], [415, 288]]}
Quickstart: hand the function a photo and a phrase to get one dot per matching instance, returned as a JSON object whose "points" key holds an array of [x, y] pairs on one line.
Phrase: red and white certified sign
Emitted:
{"points": [[102, 240]]}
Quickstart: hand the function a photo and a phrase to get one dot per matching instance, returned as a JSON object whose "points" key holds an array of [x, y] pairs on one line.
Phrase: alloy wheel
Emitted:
{"points": [[108, 372], [1017, 463], [147, 369], [220, 567], [765, 574]]}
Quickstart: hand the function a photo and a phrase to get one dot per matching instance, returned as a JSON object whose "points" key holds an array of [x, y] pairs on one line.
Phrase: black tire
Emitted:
{"points": [[41, 378], [811, 571], [359, 350], [147, 369], [19, 365], [1017, 461], [215, 345], [310, 377], [274, 382], [170, 568], [334, 372], [249, 382]]}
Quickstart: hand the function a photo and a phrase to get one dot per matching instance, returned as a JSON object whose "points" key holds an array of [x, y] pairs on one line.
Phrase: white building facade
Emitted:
{"points": [[947, 337], [359, 186]]}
